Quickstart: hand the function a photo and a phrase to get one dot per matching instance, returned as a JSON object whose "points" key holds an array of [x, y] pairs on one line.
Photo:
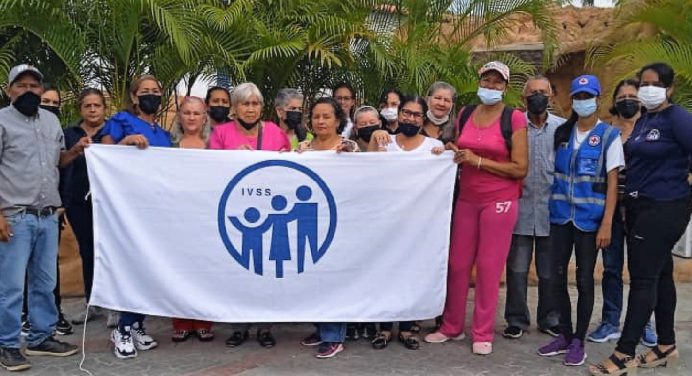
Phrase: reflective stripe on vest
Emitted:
{"points": [[578, 174]]}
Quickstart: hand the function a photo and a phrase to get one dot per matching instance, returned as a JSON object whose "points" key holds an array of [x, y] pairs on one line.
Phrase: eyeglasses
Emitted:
{"points": [[343, 98], [412, 114]]}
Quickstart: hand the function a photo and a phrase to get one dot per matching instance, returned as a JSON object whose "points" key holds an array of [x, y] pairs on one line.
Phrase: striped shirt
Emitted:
{"points": [[29, 156], [534, 218]]}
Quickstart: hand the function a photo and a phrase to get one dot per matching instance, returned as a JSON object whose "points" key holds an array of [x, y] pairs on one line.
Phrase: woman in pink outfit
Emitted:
{"points": [[248, 132], [490, 147]]}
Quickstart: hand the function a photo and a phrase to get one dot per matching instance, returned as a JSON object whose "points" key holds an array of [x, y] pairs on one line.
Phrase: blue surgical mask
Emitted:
{"points": [[584, 107], [489, 96]]}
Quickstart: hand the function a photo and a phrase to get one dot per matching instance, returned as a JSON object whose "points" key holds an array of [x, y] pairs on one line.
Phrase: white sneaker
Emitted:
{"points": [[124, 347], [113, 318], [142, 340]]}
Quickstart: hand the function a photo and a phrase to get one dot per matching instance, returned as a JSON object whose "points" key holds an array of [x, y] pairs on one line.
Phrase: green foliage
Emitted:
{"points": [[312, 45], [654, 31], [427, 41]]}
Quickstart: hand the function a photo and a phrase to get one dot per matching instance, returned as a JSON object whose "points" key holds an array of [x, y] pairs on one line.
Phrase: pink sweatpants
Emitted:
{"points": [[481, 236]]}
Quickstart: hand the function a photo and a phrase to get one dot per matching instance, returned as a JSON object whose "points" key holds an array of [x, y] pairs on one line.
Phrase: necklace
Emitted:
{"points": [[481, 132]]}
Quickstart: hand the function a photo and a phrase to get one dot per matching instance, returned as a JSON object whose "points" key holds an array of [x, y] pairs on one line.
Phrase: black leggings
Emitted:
{"points": [[565, 238], [653, 228], [81, 220]]}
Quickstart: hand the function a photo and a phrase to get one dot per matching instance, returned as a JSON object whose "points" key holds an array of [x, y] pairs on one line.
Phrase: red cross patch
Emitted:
{"points": [[594, 140]]}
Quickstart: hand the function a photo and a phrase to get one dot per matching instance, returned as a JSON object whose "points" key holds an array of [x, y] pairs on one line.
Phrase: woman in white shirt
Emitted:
{"points": [[408, 138]]}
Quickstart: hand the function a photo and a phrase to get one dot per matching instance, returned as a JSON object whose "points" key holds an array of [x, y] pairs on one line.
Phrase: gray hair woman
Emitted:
{"points": [[288, 105], [440, 114], [247, 131], [366, 121], [191, 125]]}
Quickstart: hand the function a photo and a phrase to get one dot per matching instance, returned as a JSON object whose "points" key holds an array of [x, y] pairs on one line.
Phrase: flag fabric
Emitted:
{"points": [[252, 236]]}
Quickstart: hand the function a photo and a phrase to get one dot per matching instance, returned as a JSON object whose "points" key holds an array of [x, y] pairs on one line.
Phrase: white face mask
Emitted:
{"points": [[436, 120], [389, 113], [489, 96], [584, 107], [652, 96]]}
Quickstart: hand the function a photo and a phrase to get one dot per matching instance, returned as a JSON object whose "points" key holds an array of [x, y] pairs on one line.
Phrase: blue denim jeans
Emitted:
{"points": [[613, 264], [32, 253], [332, 331]]}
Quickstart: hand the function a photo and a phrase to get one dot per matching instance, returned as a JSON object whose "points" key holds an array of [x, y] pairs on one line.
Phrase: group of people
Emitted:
{"points": [[529, 183]]}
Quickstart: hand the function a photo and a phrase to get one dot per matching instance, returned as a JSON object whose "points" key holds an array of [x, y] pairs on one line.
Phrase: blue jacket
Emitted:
{"points": [[124, 124], [580, 181]]}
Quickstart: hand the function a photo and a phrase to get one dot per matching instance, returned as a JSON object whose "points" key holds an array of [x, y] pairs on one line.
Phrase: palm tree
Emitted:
{"points": [[648, 31], [302, 43], [126, 38], [49, 23], [299, 43], [433, 40], [108, 42]]}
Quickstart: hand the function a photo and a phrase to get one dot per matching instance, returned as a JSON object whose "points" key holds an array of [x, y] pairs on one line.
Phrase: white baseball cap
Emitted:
{"points": [[20, 69], [496, 66]]}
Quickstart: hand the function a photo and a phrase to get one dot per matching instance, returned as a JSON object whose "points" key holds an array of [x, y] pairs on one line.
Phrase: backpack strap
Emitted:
{"points": [[506, 126], [505, 123], [259, 135], [463, 117]]}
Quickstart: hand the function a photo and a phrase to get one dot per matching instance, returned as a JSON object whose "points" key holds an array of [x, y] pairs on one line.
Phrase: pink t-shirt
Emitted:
{"points": [[479, 185], [227, 136]]}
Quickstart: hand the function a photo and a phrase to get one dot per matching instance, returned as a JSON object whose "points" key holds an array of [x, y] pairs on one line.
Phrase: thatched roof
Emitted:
{"points": [[577, 28]]}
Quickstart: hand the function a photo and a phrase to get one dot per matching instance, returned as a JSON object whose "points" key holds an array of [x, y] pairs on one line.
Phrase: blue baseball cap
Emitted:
{"points": [[586, 84]]}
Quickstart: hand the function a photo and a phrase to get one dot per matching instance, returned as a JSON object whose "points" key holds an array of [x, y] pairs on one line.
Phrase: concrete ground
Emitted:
{"points": [[515, 357]]}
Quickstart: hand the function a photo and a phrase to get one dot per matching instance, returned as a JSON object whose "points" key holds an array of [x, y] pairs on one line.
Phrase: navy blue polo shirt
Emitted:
{"points": [[658, 155], [124, 124]]}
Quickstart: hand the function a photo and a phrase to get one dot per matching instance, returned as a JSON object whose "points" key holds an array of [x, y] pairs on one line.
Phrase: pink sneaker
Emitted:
{"points": [[329, 350], [439, 337], [482, 348]]}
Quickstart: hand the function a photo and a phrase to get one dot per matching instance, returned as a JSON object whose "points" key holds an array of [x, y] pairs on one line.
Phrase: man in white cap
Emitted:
{"points": [[31, 150]]}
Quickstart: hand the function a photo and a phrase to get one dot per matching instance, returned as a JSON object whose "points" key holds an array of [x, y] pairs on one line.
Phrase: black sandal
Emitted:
{"points": [[415, 328], [205, 335], [381, 341], [624, 365], [665, 359], [181, 335], [411, 341], [266, 339]]}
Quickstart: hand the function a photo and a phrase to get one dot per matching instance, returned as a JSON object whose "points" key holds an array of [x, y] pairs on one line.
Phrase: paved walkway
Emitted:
{"points": [[515, 357]]}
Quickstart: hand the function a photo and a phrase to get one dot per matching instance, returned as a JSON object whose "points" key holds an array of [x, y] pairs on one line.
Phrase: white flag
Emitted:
{"points": [[251, 236]]}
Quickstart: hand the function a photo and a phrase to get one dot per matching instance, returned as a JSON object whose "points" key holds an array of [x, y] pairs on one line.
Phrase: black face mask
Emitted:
{"points": [[628, 108], [53, 109], [293, 119], [246, 125], [408, 129], [149, 103], [365, 133], [27, 103], [219, 113], [537, 104]]}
